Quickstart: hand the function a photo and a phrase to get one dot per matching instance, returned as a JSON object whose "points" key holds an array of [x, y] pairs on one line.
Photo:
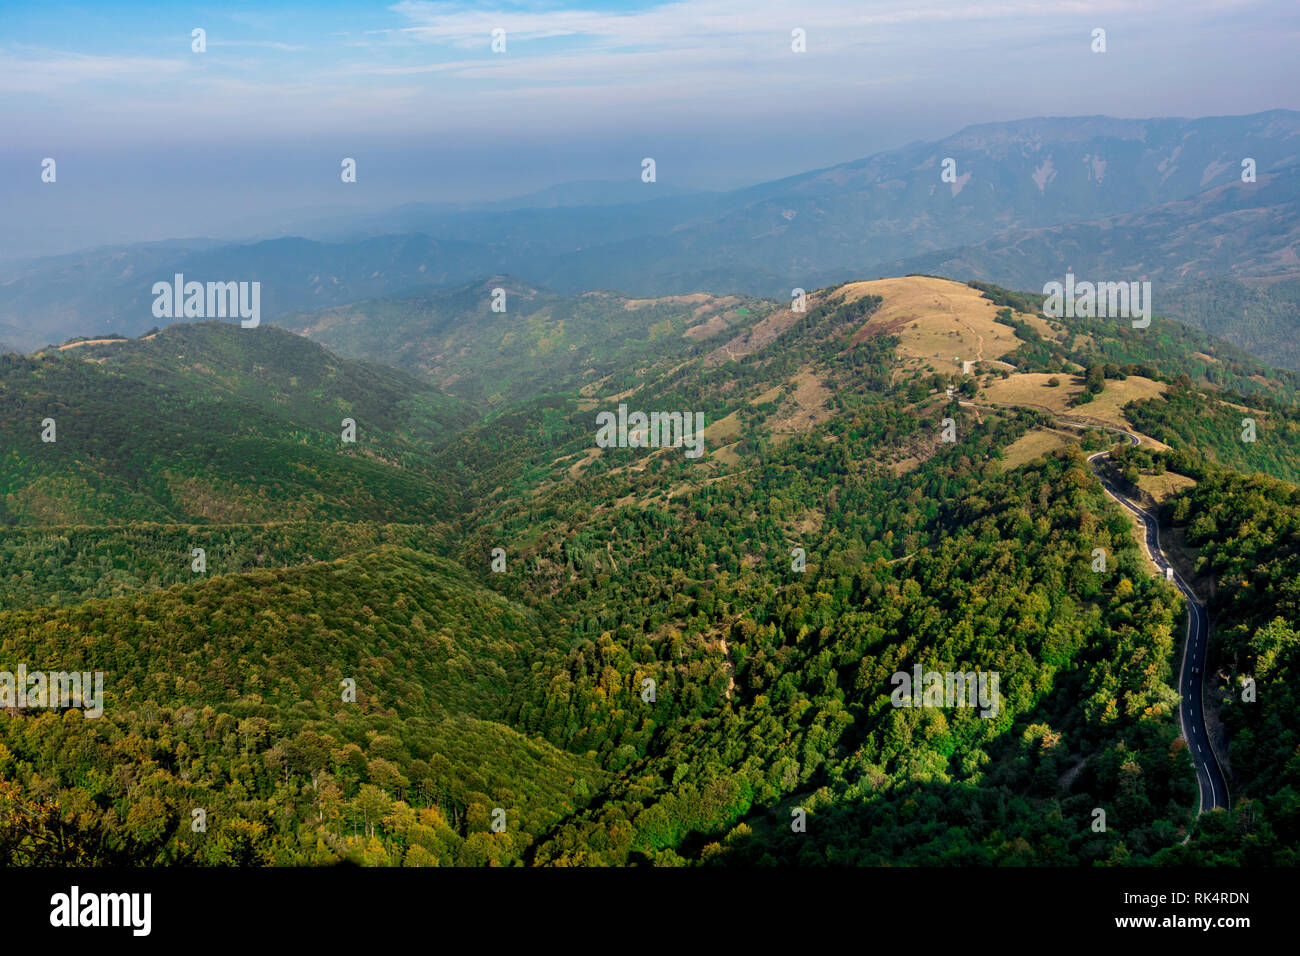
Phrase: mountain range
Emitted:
{"points": [[1017, 203]]}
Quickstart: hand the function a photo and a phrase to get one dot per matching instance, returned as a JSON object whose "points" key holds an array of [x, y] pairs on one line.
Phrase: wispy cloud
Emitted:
{"points": [[276, 69], [266, 44], [27, 70], [703, 21]]}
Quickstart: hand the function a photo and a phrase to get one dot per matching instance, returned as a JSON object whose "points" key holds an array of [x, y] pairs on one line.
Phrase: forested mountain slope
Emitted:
{"points": [[214, 423], [224, 696], [636, 655], [503, 340]]}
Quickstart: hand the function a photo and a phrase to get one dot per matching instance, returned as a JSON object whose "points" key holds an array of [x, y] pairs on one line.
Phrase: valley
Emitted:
{"points": [[523, 690]]}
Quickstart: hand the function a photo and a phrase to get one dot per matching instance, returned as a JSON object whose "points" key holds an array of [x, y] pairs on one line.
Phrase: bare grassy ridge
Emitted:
{"points": [[1033, 444], [1032, 389], [938, 322]]}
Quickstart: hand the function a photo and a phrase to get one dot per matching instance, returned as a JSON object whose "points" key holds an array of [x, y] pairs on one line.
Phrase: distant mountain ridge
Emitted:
{"points": [[1256, 226], [809, 230]]}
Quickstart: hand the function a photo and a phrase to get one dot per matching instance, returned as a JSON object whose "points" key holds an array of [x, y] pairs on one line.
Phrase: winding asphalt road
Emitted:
{"points": [[1210, 782], [1191, 675]]}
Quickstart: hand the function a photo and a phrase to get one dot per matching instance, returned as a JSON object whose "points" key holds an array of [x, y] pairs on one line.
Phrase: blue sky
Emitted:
{"points": [[153, 140]]}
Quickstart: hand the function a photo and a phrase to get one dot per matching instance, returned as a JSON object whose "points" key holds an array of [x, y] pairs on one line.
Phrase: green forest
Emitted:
{"points": [[467, 638]]}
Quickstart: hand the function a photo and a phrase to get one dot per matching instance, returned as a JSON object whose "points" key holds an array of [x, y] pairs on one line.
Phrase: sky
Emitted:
{"points": [[153, 140]]}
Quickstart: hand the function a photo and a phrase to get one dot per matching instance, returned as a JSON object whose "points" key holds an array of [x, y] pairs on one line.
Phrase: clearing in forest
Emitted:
{"points": [[939, 323]]}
